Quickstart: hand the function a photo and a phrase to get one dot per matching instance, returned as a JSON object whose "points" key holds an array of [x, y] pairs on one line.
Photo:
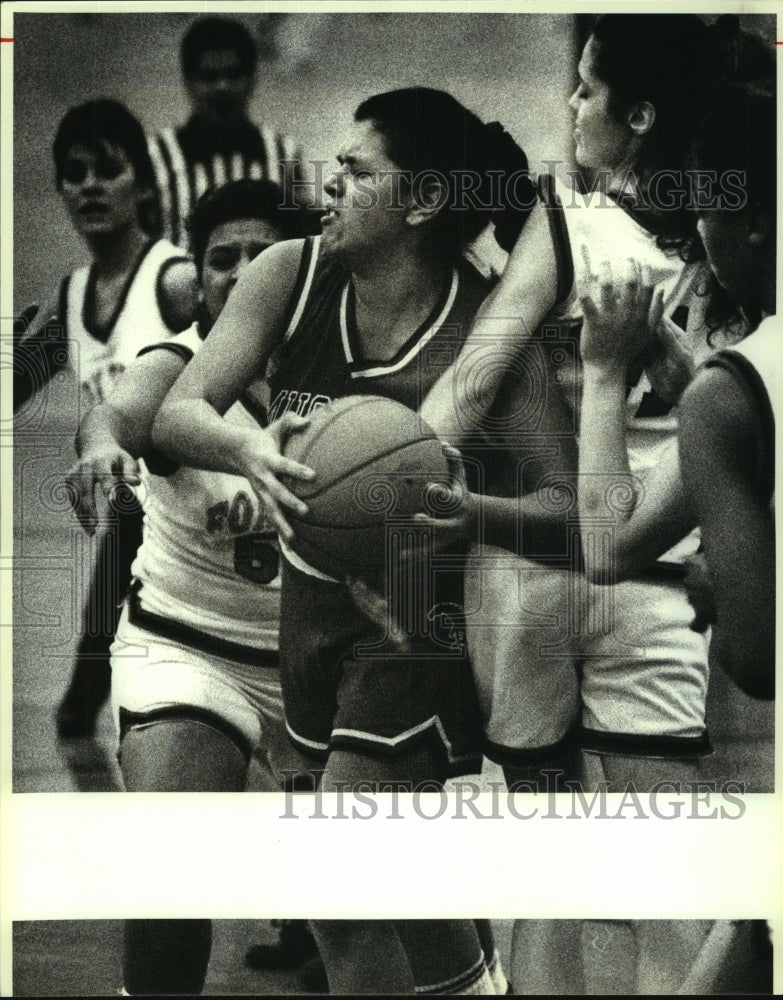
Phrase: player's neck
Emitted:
{"points": [[116, 254], [394, 299]]}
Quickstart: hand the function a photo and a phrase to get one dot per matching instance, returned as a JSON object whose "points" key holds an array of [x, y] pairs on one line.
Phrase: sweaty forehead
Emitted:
{"points": [[365, 144]]}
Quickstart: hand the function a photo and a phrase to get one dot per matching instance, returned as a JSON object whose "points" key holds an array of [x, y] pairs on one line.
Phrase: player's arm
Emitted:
{"points": [[189, 425], [533, 520], [177, 293], [137, 396], [718, 449], [511, 314], [646, 516]]}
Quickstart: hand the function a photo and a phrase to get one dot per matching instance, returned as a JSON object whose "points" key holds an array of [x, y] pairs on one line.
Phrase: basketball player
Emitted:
{"points": [[195, 680], [353, 312], [219, 142], [727, 414], [135, 291], [533, 627]]}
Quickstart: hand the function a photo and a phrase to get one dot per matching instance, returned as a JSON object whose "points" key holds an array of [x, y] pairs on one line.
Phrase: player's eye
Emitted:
{"points": [[230, 73], [223, 258], [108, 167], [74, 171]]}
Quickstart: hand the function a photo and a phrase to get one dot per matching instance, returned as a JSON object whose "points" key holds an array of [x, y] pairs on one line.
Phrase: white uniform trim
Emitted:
{"points": [[415, 349]]}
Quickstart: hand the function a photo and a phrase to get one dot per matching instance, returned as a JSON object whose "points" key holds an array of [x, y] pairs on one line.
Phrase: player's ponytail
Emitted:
{"points": [[483, 172], [518, 194], [740, 56]]}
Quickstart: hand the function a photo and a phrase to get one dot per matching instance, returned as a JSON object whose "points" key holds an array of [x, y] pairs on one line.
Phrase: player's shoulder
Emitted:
{"points": [[717, 406]]}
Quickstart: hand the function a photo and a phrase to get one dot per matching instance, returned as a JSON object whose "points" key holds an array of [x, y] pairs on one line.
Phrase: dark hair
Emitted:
{"points": [[738, 134], [665, 59], [108, 121], [245, 199], [428, 130], [215, 33], [741, 56]]}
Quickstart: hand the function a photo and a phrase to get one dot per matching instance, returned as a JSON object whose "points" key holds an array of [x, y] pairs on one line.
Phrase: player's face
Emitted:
{"points": [[220, 88], [366, 195], [230, 249], [99, 190], [601, 140], [725, 237]]}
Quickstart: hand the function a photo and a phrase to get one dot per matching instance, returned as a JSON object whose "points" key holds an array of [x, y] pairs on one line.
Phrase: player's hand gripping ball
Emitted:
{"points": [[377, 465]]}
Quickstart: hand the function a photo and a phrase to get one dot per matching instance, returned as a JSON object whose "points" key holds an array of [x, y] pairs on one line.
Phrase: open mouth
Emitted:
{"points": [[330, 214], [93, 208]]}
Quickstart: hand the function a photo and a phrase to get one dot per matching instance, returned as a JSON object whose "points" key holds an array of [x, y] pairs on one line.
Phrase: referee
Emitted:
{"points": [[218, 143]]}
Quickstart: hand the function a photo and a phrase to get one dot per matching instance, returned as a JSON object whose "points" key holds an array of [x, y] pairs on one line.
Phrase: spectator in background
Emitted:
{"points": [[218, 143]]}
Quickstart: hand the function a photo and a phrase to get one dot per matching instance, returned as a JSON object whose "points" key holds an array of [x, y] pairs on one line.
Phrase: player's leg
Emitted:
{"points": [[186, 725], [486, 937], [644, 689], [166, 957], [519, 628], [91, 678], [446, 957], [546, 958], [363, 957]]}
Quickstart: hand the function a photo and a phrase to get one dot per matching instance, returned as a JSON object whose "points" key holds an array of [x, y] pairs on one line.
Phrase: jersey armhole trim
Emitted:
{"points": [[564, 262], [304, 282], [62, 302], [180, 350]]}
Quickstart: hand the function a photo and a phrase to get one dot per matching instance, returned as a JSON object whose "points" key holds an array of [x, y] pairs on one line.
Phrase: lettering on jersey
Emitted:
{"points": [[294, 401], [236, 516], [96, 388]]}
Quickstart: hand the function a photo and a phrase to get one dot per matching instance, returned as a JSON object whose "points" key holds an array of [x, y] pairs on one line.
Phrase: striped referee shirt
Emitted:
{"points": [[193, 157]]}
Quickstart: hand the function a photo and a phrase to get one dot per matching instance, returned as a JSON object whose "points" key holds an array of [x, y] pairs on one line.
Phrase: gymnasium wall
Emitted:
{"points": [[314, 70]]}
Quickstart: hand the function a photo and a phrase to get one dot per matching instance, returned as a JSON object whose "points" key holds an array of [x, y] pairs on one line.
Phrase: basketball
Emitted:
{"points": [[373, 459]]}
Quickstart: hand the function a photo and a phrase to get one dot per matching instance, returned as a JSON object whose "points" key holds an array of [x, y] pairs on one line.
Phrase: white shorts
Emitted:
{"points": [[156, 677], [553, 654]]}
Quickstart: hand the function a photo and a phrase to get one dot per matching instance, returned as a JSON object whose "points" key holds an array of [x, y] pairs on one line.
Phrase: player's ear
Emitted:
{"points": [[641, 118], [429, 194]]}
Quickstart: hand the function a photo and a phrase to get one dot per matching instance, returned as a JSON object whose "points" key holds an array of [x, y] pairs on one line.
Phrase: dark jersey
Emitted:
{"points": [[320, 358], [345, 683]]}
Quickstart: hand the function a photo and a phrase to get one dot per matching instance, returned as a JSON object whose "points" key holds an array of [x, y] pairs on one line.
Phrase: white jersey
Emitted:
{"points": [[99, 355], [210, 557], [602, 227]]}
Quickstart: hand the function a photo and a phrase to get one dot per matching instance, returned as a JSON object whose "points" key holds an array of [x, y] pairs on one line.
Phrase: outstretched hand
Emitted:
{"points": [[110, 469]]}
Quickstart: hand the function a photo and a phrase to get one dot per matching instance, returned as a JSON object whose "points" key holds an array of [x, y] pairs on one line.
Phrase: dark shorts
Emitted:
{"points": [[346, 686]]}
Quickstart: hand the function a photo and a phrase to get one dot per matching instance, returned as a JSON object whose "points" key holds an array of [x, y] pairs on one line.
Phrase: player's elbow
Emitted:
{"points": [[127, 432]]}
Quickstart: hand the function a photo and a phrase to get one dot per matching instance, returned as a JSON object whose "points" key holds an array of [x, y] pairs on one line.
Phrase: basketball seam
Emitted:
{"points": [[369, 461], [361, 401]]}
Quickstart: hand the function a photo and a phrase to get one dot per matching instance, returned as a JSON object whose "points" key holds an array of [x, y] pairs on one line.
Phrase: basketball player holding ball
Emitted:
{"points": [[562, 664], [359, 310]]}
